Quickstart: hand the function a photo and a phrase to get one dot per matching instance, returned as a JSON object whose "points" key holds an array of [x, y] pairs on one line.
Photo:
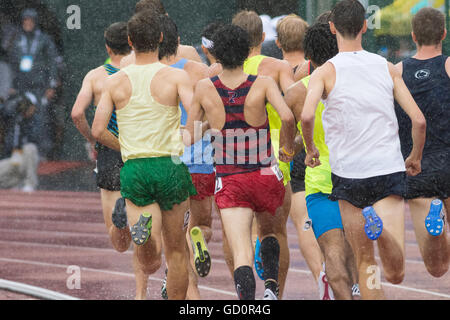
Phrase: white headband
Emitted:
{"points": [[208, 44]]}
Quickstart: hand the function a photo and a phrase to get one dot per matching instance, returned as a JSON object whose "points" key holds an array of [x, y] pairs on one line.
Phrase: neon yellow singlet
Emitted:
{"points": [[251, 66], [318, 179]]}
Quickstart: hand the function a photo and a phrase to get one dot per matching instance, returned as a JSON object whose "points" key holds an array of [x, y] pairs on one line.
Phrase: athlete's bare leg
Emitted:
{"points": [[333, 245], [307, 241], [148, 255], [434, 250], [120, 238], [363, 248], [175, 251]]}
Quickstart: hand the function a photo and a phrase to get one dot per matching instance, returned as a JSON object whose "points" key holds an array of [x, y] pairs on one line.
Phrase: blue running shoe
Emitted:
{"points": [[258, 261], [434, 222], [374, 225]]}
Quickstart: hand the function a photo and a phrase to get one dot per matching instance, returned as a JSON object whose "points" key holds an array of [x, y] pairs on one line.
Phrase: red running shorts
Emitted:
{"points": [[205, 185], [261, 191]]}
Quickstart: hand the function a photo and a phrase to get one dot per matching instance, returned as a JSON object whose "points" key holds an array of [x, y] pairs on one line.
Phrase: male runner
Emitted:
{"points": [[157, 7], [290, 38], [207, 44], [282, 73], [427, 76], [248, 178], [198, 159], [320, 46], [156, 187], [109, 162], [368, 172]]}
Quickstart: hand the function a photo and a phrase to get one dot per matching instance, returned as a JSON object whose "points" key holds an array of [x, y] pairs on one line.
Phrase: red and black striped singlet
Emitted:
{"points": [[240, 147]]}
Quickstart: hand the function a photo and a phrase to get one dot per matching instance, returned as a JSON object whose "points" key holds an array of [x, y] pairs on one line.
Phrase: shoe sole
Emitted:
{"points": [[434, 222], [119, 215], [374, 225], [258, 262], [202, 258], [141, 231]]}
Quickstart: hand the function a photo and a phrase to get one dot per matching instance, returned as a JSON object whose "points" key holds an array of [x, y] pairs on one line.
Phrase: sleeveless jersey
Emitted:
{"points": [[359, 119], [251, 66], [148, 129], [112, 125], [429, 84], [198, 157], [240, 147], [318, 179]]}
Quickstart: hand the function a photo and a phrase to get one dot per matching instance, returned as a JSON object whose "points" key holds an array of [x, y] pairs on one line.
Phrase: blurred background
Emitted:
{"points": [[71, 53]]}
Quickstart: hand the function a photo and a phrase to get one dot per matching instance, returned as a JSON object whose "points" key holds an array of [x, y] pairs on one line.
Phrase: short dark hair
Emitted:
{"points": [[252, 23], [116, 38], [209, 31], [428, 26], [169, 45], [348, 16], [154, 5], [144, 30], [324, 17], [320, 44], [231, 46]]}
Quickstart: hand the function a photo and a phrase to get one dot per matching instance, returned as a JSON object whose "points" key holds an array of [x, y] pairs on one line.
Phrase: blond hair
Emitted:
{"points": [[252, 23], [291, 32]]}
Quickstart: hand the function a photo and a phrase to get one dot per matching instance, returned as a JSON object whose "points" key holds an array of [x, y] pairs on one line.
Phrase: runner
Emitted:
{"points": [[207, 44], [157, 7], [427, 76], [199, 160], [109, 162], [248, 178], [291, 34], [358, 89], [281, 72], [320, 46], [156, 187]]}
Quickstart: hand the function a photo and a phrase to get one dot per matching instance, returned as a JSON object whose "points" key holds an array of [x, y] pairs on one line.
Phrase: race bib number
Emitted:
{"points": [[276, 170], [219, 185], [26, 64]]}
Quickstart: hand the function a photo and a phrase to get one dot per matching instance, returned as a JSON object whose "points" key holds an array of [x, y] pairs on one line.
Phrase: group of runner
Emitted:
{"points": [[333, 136]]}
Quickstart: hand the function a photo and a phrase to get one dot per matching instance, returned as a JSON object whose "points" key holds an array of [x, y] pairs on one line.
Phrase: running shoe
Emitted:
{"points": [[141, 231], [164, 287], [374, 225], [119, 215], [258, 261], [434, 222], [325, 291], [202, 258], [269, 295]]}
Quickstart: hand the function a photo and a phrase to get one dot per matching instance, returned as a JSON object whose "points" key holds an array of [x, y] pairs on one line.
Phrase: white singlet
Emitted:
{"points": [[361, 128]]}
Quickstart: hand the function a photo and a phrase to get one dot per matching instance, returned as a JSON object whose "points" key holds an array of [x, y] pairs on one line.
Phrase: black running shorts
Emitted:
{"points": [[364, 193], [298, 173], [434, 180], [109, 164]]}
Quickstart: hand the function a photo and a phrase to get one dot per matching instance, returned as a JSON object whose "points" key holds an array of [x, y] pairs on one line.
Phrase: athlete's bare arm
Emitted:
{"points": [[189, 53], [407, 103], [196, 114], [83, 101], [295, 99], [113, 95], [288, 128], [197, 71]]}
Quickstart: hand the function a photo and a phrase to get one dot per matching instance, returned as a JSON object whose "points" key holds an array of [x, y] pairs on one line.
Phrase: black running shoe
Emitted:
{"points": [[119, 215]]}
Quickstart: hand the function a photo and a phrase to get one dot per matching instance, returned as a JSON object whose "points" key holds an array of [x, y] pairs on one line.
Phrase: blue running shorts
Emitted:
{"points": [[324, 213]]}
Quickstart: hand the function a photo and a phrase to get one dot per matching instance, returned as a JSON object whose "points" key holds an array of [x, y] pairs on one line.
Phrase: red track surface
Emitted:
{"points": [[43, 233]]}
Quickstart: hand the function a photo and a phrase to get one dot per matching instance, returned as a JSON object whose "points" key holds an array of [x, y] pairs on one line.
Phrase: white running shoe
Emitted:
{"points": [[325, 291], [269, 295], [355, 291]]}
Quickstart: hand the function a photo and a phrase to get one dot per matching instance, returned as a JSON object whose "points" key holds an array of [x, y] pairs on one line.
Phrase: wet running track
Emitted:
{"points": [[57, 241]]}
